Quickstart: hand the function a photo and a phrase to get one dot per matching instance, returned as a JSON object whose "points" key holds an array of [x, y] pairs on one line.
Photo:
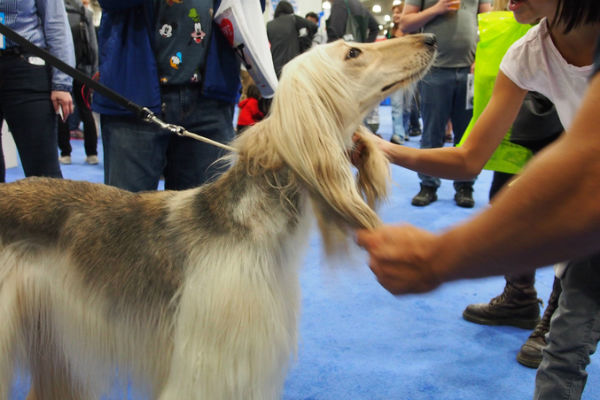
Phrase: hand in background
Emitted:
{"points": [[64, 100]]}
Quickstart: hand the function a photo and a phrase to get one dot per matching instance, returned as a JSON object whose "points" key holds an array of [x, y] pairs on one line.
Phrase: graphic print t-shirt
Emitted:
{"points": [[181, 39]]}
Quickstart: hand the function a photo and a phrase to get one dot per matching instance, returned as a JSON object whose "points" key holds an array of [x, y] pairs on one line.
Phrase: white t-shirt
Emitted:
{"points": [[534, 63]]}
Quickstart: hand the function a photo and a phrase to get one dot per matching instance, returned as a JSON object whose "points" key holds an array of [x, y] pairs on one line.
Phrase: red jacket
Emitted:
{"points": [[249, 113]]}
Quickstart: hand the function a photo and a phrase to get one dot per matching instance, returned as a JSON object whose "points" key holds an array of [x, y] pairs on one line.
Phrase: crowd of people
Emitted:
{"points": [[182, 67]]}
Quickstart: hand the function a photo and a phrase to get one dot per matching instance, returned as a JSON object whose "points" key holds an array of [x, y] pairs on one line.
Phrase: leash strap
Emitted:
{"points": [[141, 112]]}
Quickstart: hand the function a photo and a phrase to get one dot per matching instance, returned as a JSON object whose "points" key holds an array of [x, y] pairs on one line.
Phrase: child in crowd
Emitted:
{"points": [[250, 112]]}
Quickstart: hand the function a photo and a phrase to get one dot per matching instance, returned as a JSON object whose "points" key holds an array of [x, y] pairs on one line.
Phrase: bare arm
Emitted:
{"points": [[485, 7], [466, 162], [413, 18], [549, 214]]}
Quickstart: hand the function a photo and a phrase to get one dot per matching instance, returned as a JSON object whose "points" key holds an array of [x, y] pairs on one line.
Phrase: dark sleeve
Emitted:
{"points": [[336, 24], [93, 40], [373, 28], [305, 42]]}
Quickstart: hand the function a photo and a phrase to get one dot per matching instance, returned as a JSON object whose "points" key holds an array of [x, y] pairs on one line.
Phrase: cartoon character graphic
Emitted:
{"points": [[176, 60], [198, 34], [166, 31]]}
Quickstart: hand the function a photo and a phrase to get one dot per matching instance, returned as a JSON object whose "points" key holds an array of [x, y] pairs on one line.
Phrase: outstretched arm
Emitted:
{"points": [[549, 214], [465, 162]]}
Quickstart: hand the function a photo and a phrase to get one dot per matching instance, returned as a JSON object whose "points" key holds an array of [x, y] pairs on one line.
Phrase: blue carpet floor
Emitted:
{"points": [[358, 342]]}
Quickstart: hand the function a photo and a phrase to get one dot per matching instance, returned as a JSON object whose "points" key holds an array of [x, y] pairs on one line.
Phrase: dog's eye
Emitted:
{"points": [[353, 53]]}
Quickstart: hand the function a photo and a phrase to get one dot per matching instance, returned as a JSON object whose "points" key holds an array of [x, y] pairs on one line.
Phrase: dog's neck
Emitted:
{"points": [[266, 203]]}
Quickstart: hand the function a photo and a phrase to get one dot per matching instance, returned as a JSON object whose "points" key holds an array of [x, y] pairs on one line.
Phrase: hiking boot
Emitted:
{"points": [[464, 196], [530, 354], [425, 197], [515, 306]]}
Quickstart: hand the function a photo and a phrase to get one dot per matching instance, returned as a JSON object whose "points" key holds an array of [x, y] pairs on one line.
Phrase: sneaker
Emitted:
{"points": [[530, 354], [397, 139], [92, 160], [414, 131], [66, 160], [518, 307], [464, 196], [425, 197], [76, 134]]}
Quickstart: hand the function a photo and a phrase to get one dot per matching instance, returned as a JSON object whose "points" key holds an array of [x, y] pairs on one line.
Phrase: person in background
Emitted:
{"points": [[31, 92], [172, 58], [86, 60], [289, 35], [397, 98], [444, 88], [249, 110], [336, 24], [321, 36]]}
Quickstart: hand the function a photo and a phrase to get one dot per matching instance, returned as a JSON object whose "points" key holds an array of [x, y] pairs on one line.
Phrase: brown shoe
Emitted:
{"points": [[516, 306]]}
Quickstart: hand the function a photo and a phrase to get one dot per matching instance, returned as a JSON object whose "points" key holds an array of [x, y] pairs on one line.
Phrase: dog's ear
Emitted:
{"points": [[373, 169]]}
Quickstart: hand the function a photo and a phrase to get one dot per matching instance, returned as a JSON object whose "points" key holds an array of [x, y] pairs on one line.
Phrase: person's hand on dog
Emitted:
{"points": [[359, 146], [402, 258]]}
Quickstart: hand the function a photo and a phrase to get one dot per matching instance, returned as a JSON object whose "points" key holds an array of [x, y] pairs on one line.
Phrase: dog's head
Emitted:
{"points": [[321, 100]]}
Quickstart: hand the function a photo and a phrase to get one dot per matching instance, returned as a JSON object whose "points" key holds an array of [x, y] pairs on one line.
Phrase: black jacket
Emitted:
{"points": [[336, 24], [286, 34]]}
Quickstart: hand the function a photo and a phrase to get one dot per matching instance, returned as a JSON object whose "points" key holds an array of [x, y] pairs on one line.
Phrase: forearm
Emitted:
{"points": [[444, 162], [549, 214], [412, 22]]}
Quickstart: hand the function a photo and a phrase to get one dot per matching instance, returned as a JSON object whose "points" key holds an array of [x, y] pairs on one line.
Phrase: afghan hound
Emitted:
{"points": [[195, 294]]}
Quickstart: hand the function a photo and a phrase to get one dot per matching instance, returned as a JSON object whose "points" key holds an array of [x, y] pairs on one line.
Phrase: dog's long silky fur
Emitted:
{"points": [[195, 294]]}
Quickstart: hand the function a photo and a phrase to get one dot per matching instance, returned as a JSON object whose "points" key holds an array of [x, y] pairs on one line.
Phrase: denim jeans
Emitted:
{"points": [[137, 153], [25, 105], [411, 112], [574, 333], [397, 103], [443, 97]]}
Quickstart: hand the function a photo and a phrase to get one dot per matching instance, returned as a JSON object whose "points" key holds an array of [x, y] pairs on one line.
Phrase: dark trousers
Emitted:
{"points": [[526, 279], [90, 134], [25, 105]]}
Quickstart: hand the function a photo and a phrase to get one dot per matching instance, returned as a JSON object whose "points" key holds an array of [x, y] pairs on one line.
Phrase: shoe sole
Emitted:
{"points": [[419, 204], [528, 362], [465, 205], [517, 322]]}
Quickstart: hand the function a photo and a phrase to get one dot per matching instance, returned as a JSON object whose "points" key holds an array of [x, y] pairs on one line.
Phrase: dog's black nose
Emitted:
{"points": [[430, 40]]}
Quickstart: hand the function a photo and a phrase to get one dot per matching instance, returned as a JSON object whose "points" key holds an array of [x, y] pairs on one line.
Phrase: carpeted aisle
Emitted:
{"points": [[358, 342]]}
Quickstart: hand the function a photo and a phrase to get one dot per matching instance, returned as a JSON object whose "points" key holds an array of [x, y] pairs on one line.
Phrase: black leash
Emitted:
{"points": [[141, 112]]}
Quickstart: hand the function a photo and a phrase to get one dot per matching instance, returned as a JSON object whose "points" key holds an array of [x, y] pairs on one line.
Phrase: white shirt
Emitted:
{"points": [[534, 63]]}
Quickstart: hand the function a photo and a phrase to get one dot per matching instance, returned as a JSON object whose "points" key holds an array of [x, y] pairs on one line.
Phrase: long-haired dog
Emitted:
{"points": [[195, 294]]}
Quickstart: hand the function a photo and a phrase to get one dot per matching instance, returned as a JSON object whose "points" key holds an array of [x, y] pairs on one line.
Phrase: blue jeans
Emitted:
{"points": [[137, 153], [397, 103], [443, 98], [26, 106], [574, 333], [412, 113]]}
